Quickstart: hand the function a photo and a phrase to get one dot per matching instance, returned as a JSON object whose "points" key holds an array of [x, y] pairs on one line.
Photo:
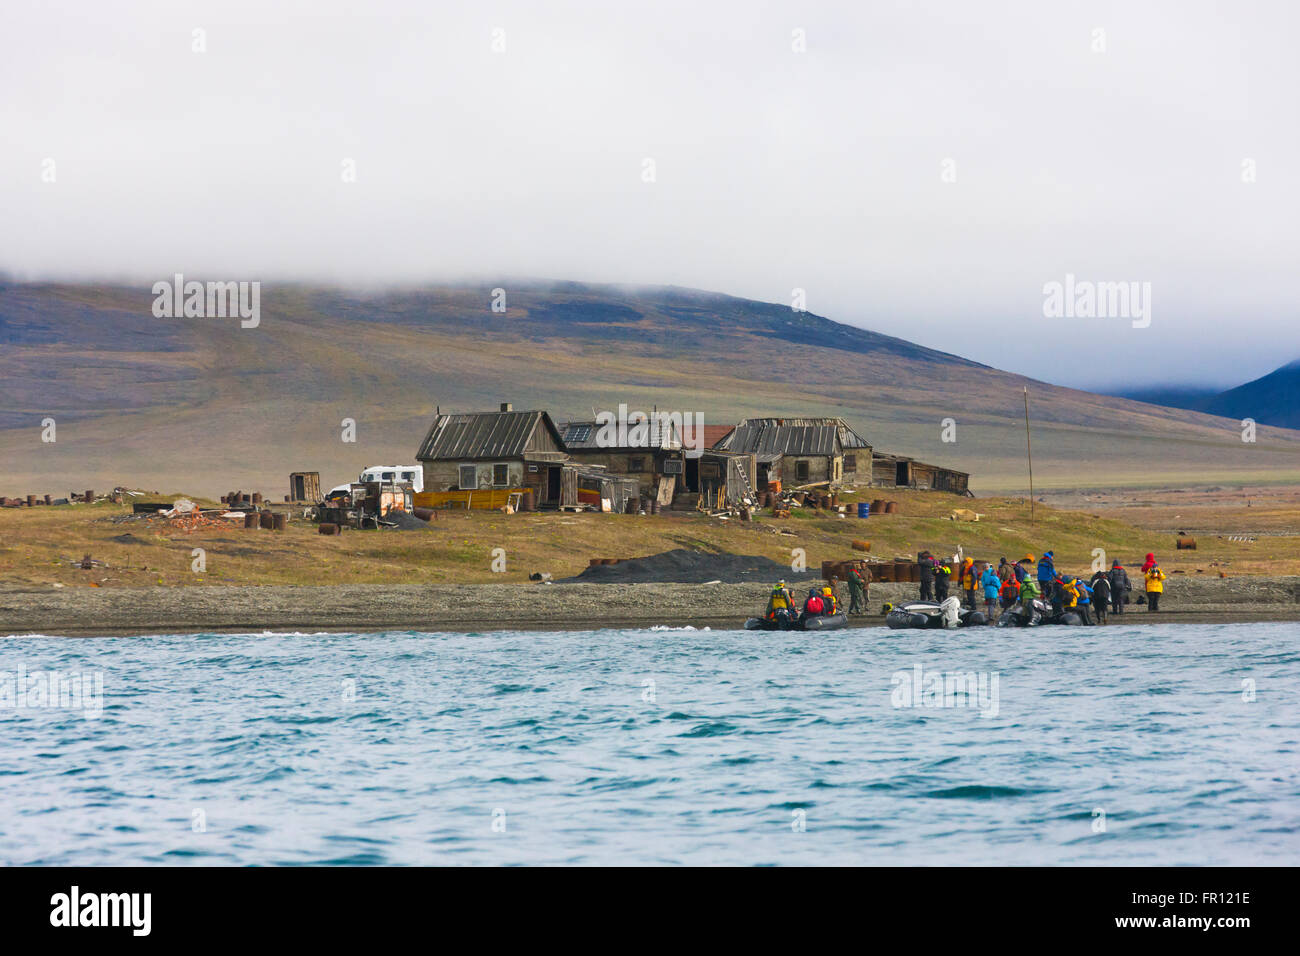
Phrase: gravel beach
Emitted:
{"points": [[82, 611]]}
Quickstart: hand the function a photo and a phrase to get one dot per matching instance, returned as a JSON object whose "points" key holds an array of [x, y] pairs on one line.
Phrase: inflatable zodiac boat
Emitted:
{"points": [[927, 614], [817, 622]]}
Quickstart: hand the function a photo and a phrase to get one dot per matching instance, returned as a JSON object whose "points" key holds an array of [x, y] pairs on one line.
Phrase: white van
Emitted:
{"points": [[414, 474]]}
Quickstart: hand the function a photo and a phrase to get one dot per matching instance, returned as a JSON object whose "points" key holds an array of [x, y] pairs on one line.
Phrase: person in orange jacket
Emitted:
{"points": [[1010, 592], [968, 581]]}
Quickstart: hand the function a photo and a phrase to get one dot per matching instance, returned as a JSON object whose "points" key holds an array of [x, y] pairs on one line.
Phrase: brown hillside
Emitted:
{"points": [[205, 405]]}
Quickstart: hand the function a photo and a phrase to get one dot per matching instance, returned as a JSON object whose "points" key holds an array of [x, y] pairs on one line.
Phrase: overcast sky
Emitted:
{"points": [[774, 169]]}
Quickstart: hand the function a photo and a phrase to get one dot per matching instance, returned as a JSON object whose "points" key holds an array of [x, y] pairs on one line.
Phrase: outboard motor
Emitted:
{"points": [[951, 612]]}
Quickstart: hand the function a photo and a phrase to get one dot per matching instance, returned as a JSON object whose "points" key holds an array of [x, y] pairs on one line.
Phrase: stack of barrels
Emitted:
{"points": [[269, 520]]}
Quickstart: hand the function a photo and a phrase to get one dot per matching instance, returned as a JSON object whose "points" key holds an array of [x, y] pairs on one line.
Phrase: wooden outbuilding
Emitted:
{"points": [[899, 471], [648, 452], [304, 486]]}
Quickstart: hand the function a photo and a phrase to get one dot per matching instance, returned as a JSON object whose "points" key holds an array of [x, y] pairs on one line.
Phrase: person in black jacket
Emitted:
{"points": [[927, 575], [942, 575], [1119, 587], [1100, 585]]}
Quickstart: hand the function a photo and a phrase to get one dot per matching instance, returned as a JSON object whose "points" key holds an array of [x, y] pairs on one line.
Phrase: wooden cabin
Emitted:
{"points": [[799, 452], [479, 459]]}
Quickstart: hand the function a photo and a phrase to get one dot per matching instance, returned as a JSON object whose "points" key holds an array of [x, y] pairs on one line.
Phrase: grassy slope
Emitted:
{"points": [[204, 405], [37, 545]]}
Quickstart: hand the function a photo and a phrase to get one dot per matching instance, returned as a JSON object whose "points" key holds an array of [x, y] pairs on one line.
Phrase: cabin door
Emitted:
{"points": [[552, 485], [691, 476]]}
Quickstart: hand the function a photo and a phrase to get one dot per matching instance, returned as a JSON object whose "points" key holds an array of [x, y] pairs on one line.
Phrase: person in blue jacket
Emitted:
{"points": [[1084, 606], [991, 584], [1020, 570], [1046, 569]]}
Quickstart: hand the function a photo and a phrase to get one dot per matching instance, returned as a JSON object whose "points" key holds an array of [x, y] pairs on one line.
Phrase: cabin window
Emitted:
{"points": [[468, 477], [408, 476], [801, 470], [636, 463], [500, 475], [850, 462], [388, 476]]}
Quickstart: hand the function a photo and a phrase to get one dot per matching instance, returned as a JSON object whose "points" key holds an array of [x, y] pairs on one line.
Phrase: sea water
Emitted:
{"points": [[1150, 744]]}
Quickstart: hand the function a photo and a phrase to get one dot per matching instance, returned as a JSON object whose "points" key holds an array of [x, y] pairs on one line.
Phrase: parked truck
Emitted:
{"points": [[388, 475]]}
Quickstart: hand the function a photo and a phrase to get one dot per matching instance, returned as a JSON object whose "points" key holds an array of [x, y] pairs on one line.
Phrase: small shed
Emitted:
{"points": [[603, 491], [304, 486]]}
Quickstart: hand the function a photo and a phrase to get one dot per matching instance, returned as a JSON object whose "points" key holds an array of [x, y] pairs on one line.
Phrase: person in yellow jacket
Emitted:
{"points": [[1071, 592], [780, 606], [831, 595], [968, 580], [1155, 587]]}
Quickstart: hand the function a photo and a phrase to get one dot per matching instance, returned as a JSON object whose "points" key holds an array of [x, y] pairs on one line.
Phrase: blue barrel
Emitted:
{"points": [[864, 509]]}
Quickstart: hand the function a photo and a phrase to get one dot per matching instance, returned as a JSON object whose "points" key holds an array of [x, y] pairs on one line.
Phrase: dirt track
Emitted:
{"points": [[478, 607]]}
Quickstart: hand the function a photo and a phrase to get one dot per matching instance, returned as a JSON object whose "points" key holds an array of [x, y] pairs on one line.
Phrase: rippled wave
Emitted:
{"points": [[1117, 745]]}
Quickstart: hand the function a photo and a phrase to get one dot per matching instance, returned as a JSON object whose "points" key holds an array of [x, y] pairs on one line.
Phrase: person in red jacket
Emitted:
{"points": [[814, 605], [1009, 592]]}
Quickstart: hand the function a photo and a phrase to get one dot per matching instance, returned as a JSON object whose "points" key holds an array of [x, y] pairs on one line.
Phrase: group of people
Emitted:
{"points": [[823, 598], [1106, 592], [787, 612], [1010, 583]]}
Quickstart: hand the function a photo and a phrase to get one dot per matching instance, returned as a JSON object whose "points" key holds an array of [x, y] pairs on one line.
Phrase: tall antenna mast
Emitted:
{"points": [[1029, 450]]}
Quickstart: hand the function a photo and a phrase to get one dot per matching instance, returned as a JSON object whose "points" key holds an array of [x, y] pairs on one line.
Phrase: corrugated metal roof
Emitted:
{"points": [[764, 437], [851, 439], [482, 435], [792, 436]]}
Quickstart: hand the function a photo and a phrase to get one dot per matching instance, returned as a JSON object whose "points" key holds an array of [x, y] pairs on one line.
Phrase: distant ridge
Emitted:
{"points": [[1272, 399]]}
